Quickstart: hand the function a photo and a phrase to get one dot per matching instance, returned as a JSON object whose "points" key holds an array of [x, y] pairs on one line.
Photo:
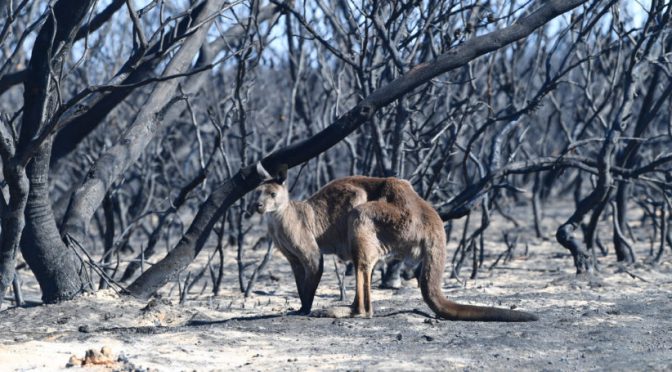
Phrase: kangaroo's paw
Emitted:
{"points": [[363, 315], [300, 312]]}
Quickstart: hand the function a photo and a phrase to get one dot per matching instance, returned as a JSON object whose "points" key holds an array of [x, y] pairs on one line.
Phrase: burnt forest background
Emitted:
{"points": [[131, 130]]}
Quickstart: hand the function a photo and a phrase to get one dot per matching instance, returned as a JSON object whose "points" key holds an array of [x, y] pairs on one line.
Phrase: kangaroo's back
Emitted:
{"points": [[333, 203]]}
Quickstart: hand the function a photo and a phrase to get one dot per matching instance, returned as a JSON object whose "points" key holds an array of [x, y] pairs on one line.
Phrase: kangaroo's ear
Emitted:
{"points": [[282, 173]]}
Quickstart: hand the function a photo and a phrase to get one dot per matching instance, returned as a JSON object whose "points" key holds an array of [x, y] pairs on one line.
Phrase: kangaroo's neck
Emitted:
{"points": [[297, 214]]}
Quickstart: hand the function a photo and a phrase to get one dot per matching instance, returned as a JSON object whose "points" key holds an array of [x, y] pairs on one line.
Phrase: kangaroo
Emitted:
{"points": [[362, 219]]}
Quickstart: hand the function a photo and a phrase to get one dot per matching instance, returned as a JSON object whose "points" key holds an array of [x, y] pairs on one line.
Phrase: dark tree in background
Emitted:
{"points": [[134, 128]]}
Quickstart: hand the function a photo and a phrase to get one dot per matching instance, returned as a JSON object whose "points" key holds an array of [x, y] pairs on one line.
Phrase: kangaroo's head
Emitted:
{"points": [[272, 195]]}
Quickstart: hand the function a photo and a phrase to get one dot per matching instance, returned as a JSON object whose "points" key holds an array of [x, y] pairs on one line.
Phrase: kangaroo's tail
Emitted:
{"points": [[431, 280]]}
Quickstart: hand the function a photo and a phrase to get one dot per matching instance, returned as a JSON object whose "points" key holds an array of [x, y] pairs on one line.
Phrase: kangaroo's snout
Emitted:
{"points": [[253, 207], [258, 207]]}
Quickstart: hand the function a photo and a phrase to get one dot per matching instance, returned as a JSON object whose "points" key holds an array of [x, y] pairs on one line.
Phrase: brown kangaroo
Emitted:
{"points": [[363, 219]]}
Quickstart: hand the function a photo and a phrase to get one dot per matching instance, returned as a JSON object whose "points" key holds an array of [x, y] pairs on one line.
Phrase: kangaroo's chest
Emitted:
{"points": [[288, 238]]}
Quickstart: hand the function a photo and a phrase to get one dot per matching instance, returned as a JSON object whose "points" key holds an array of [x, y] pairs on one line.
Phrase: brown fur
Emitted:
{"points": [[363, 219]]}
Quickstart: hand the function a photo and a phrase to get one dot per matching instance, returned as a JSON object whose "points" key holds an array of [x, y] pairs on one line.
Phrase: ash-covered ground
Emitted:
{"points": [[619, 320]]}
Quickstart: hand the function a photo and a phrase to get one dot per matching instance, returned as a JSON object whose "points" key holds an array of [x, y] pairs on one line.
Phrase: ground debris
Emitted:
{"points": [[93, 357], [104, 358]]}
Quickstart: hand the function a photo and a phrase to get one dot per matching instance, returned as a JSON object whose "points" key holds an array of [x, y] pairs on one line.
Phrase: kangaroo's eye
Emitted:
{"points": [[273, 195]]}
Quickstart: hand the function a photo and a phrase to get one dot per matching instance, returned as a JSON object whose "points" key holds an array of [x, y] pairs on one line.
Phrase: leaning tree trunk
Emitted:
{"points": [[78, 125], [115, 160], [248, 178]]}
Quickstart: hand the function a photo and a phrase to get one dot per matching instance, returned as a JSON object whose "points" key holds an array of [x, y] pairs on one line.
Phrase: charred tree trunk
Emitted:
{"points": [[623, 252], [628, 157], [58, 269], [12, 212]]}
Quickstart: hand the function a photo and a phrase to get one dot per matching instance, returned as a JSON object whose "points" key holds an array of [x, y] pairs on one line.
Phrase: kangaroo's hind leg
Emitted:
{"points": [[365, 249], [363, 304]]}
